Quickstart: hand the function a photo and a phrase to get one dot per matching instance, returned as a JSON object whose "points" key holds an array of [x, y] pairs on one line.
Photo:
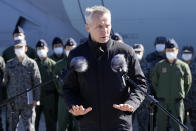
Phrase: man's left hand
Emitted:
{"points": [[123, 107]]}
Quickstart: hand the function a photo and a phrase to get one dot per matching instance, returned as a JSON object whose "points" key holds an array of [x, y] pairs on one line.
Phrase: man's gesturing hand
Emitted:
{"points": [[123, 107], [79, 110]]}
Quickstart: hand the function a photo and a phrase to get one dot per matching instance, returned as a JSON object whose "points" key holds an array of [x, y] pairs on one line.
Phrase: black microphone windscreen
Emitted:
{"points": [[79, 64], [118, 63]]}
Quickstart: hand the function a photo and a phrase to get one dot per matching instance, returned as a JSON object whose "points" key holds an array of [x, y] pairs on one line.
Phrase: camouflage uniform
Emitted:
{"points": [[65, 119], [9, 53], [142, 113], [2, 68], [190, 102], [20, 76]]}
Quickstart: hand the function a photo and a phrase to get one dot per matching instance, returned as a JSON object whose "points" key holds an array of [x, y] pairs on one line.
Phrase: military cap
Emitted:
{"points": [[20, 43], [171, 44], [57, 40], [41, 43], [188, 49], [160, 39], [70, 42], [138, 47], [18, 29]]}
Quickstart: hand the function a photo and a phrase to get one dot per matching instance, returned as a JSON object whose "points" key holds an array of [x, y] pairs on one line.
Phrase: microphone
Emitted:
{"points": [[119, 65], [78, 64]]}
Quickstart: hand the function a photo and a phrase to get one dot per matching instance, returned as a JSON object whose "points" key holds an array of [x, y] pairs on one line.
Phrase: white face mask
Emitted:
{"points": [[171, 55], [42, 53], [186, 57], [58, 50], [20, 52], [160, 47], [139, 56], [19, 38]]}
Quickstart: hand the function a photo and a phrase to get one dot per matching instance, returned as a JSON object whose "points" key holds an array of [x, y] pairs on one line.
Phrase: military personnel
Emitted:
{"points": [[18, 34], [158, 54], [2, 69], [58, 49], [22, 73], [152, 58], [171, 79], [190, 101], [49, 96], [70, 45], [142, 113], [65, 119], [117, 37]]}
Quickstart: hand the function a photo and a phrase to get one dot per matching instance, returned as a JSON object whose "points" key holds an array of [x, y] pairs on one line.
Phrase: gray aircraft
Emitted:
{"points": [[136, 20]]}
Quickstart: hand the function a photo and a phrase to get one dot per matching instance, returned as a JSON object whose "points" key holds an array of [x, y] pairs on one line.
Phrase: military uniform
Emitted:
{"points": [[65, 119], [2, 92], [48, 97], [142, 113], [171, 83], [153, 58], [9, 53], [55, 58], [191, 97], [20, 76]]}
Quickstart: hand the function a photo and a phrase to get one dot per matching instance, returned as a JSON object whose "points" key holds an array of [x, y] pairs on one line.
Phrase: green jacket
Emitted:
{"points": [[58, 68], [55, 58], [9, 53], [46, 68], [171, 81]]}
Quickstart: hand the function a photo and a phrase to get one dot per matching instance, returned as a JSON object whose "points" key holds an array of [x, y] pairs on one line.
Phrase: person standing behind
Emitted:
{"points": [[190, 101], [58, 49], [18, 34], [65, 119], [158, 54], [96, 96], [70, 45], [171, 79], [22, 73], [142, 113], [49, 96]]}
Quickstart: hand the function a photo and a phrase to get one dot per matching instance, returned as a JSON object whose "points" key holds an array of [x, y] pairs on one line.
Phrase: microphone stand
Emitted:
{"points": [[4, 103], [154, 102]]}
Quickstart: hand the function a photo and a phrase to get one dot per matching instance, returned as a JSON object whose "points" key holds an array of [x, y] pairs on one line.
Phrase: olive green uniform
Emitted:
{"points": [[48, 97], [171, 83], [65, 119], [55, 58]]}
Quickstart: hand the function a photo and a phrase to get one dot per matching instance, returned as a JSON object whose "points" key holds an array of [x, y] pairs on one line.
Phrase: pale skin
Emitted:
{"points": [[99, 30], [20, 59]]}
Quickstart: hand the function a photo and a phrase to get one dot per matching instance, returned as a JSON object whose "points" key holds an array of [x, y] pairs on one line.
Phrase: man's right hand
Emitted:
{"points": [[79, 110]]}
